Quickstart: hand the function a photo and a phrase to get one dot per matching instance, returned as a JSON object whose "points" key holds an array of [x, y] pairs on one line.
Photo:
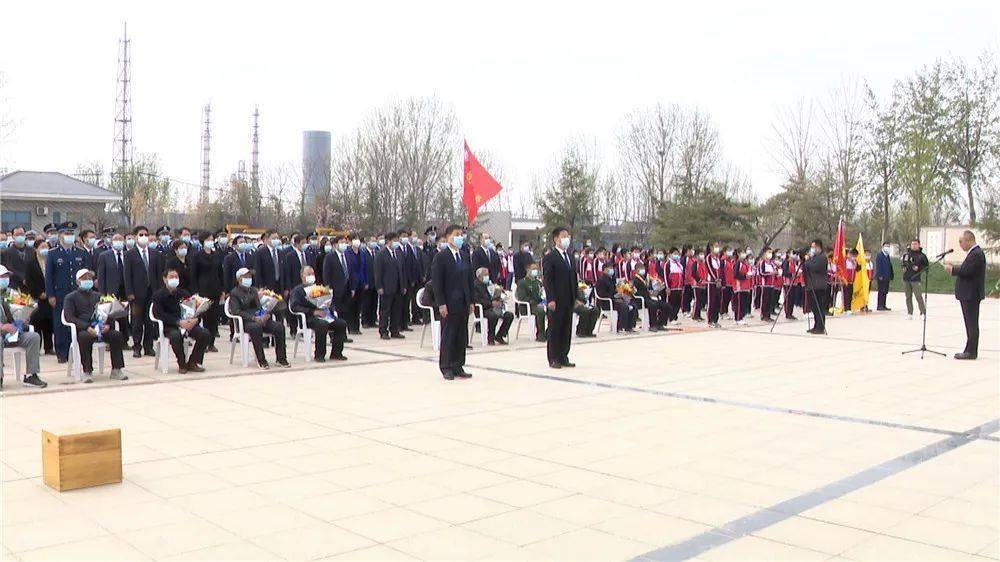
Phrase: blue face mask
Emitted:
{"points": [[153, 244], [19, 239], [4, 283], [404, 240], [373, 245], [69, 239], [223, 240], [4, 243], [117, 244], [328, 248], [44, 252], [182, 252], [186, 238], [459, 241], [275, 242], [246, 281], [87, 284], [244, 247], [209, 245], [165, 239], [396, 245], [564, 242], [53, 239], [130, 243], [342, 247], [442, 245]]}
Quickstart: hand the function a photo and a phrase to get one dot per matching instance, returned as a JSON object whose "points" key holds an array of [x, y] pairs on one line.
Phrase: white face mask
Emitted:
{"points": [[310, 279], [173, 282]]}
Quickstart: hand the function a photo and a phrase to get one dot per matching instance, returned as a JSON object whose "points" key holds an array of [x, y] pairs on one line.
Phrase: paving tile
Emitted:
{"points": [[449, 543], [98, 548], [49, 532], [310, 542], [338, 505], [520, 493], [586, 544], [652, 528], [390, 524], [460, 508], [521, 527], [177, 538]]}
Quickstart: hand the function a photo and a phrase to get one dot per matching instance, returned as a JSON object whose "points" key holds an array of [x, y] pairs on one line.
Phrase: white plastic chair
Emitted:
{"points": [[244, 338], [640, 305], [484, 324], [611, 314], [74, 368], [306, 335], [435, 324], [519, 317], [20, 355], [162, 359]]}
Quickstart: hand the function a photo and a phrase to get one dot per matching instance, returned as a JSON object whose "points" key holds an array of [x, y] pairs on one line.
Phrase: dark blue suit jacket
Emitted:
{"points": [[109, 277], [883, 267]]}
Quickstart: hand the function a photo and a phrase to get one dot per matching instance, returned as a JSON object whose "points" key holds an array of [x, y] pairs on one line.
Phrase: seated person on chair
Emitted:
{"points": [[244, 301], [659, 310], [529, 290], [167, 309], [588, 313], [319, 320], [488, 296], [606, 289], [79, 308], [30, 342]]}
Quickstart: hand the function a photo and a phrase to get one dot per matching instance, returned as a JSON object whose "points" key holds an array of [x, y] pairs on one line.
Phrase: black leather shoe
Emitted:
{"points": [[150, 352], [568, 364], [212, 349], [448, 376], [398, 337], [463, 374], [385, 337], [555, 365], [319, 359], [348, 340], [338, 357], [137, 353], [284, 364], [964, 356]]}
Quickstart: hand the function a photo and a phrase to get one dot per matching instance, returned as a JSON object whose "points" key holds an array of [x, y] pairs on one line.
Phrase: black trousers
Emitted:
{"points": [[404, 309], [143, 330], [493, 317], [588, 319], [256, 332], [41, 319], [727, 297], [675, 304], [970, 313], [210, 319], [659, 311], [767, 298], [353, 317], [700, 297], [337, 331], [416, 314], [369, 306], [822, 301], [741, 304], [390, 309], [202, 339], [560, 334], [686, 295], [113, 338], [714, 302], [883, 292], [793, 298], [454, 338]]}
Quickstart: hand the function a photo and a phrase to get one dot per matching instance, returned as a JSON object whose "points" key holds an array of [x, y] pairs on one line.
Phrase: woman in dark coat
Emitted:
{"points": [[206, 277], [324, 243], [178, 260], [34, 281]]}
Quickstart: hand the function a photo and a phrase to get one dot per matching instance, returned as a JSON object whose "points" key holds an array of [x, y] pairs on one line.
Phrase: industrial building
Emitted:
{"points": [[34, 199], [316, 155]]}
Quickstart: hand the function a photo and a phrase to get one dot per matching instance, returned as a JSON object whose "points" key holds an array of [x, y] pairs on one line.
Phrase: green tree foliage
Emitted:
{"points": [[146, 194], [569, 200], [702, 217]]}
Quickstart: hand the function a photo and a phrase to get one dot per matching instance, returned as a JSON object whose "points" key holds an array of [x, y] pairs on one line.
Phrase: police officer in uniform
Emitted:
{"points": [[61, 265]]}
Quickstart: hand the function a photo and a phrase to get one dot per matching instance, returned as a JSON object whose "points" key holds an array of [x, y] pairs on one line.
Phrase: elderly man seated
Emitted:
{"points": [[488, 296], [79, 308], [12, 336], [320, 321], [529, 290]]}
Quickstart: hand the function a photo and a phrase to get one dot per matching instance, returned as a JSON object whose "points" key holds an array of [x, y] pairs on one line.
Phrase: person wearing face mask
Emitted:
{"points": [[883, 276], [728, 280], [687, 262], [357, 262], [111, 278], [390, 284], [817, 286], [486, 256], [167, 309], [674, 276], [369, 305], [222, 245], [658, 309], [181, 263], [415, 277], [163, 242], [241, 257], [766, 274], [522, 259], [561, 285], [79, 307], [87, 241], [587, 313], [454, 296], [30, 342], [489, 297], [16, 257], [244, 301], [585, 267], [61, 266], [267, 268], [339, 276], [318, 320], [791, 269], [34, 284], [206, 278], [714, 277], [529, 290], [325, 247], [606, 289], [698, 280], [293, 259], [143, 276]]}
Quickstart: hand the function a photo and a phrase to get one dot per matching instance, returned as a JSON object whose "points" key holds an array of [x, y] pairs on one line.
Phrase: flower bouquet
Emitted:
{"points": [[319, 296], [194, 306], [107, 309], [269, 300], [624, 292], [22, 306], [657, 286]]}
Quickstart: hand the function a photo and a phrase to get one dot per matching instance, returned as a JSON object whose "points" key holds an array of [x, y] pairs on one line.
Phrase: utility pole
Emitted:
{"points": [[254, 164], [122, 156], [206, 166]]}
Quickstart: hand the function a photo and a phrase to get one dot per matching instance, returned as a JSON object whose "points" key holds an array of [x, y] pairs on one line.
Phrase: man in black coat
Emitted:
{"points": [[817, 288], [487, 256], [970, 290], [296, 257], [369, 304], [16, 258], [390, 284], [561, 284], [318, 320], [143, 271], [451, 275], [337, 274], [111, 277], [241, 257], [492, 308], [267, 263], [522, 259], [167, 309]]}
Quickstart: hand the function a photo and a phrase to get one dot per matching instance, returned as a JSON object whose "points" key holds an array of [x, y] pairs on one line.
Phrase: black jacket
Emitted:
{"points": [[244, 302], [230, 265], [183, 271], [265, 275], [559, 279], [389, 275], [34, 280], [815, 272], [79, 308], [970, 282], [292, 274], [206, 274], [481, 295], [167, 306], [138, 282], [522, 260], [16, 261], [452, 282], [110, 279], [490, 259], [914, 264], [336, 277]]}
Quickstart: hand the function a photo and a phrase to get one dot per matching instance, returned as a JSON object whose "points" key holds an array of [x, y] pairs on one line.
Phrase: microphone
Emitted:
{"points": [[943, 254]]}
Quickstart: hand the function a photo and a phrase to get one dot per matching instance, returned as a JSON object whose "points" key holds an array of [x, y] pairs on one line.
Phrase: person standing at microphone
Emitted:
{"points": [[970, 290], [817, 287]]}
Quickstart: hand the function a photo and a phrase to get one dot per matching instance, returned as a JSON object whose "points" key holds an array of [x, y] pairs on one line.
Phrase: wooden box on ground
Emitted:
{"points": [[78, 458]]}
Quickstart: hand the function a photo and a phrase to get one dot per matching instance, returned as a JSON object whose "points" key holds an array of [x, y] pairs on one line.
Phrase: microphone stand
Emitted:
{"points": [[923, 338]]}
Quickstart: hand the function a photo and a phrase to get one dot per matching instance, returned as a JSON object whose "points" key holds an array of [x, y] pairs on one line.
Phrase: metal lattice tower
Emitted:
{"points": [[206, 141], [254, 164], [122, 156]]}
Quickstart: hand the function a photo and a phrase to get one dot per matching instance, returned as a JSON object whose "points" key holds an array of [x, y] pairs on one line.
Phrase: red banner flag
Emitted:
{"points": [[480, 186], [840, 251]]}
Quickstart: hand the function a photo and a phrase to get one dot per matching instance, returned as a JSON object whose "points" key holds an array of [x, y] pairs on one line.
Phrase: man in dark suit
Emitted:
{"points": [[817, 287], [337, 274], [970, 290], [522, 259], [318, 320], [143, 276], [111, 277], [883, 275], [369, 304], [561, 284], [451, 275], [16, 258], [390, 284], [295, 258], [487, 256], [267, 263], [240, 257]]}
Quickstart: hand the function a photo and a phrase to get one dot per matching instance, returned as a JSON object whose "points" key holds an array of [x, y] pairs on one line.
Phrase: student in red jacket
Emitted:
{"points": [[698, 275], [766, 272], [674, 272], [714, 277], [729, 280], [743, 277]]}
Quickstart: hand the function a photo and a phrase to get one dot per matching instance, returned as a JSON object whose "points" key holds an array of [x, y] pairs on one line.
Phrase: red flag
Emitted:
{"points": [[840, 251], [480, 186]]}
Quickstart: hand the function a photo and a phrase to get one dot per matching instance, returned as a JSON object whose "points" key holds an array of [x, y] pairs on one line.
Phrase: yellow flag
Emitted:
{"points": [[861, 281]]}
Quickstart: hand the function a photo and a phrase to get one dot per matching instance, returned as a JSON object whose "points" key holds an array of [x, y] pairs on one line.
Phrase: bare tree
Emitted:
{"points": [[883, 151], [843, 123], [793, 143], [646, 147], [698, 155]]}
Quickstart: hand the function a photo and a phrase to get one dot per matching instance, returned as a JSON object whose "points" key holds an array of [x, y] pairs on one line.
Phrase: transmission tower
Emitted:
{"points": [[254, 164], [122, 156], [206, 166]]}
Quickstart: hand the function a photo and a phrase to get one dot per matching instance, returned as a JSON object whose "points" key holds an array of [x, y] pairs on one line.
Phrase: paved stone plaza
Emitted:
{"points": [[708, 445]]}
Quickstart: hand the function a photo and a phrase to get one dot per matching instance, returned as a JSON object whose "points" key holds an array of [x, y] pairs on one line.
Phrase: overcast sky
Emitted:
{"points": [[523, 77]]}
